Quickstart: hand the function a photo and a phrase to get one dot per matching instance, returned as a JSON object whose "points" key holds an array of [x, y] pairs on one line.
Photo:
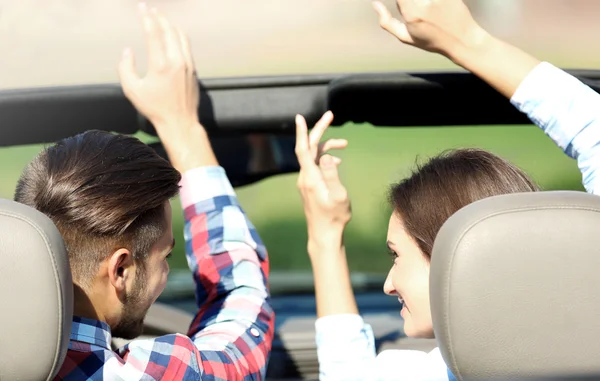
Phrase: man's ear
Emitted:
{"points": [[121, 268]]}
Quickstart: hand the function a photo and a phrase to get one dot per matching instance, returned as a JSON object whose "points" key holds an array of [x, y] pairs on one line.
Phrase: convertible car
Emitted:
{"points": [[251, 123]]}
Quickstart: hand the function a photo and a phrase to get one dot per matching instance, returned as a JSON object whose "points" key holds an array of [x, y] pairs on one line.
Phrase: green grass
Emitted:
{"points": [[375, 158]]}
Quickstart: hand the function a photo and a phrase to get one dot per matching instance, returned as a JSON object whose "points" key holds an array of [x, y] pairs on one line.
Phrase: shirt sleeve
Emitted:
{"points": [[568, 111], [233, 328], [346, 351]]}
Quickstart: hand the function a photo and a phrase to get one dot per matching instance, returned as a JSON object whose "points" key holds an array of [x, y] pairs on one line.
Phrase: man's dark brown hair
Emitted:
{"points": [[447, 183], [103, 191]]}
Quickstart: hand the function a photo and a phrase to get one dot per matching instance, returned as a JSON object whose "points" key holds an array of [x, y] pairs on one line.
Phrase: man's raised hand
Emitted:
{"points": [[168, 94]]}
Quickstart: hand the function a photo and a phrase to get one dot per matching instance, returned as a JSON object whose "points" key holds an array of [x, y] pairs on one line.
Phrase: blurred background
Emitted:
{"points": [[58, 42]]}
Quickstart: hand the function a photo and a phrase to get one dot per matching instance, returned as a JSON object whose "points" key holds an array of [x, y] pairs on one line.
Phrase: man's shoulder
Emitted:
{"points": [[172, 357], [167, 344]]}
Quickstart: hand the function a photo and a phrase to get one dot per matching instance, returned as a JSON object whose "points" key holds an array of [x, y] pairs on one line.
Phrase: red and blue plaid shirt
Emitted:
{"points": [[230, 337]]}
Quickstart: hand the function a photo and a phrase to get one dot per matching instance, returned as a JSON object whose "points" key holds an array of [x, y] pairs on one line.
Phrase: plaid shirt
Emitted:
{"points": [[231, 334]]}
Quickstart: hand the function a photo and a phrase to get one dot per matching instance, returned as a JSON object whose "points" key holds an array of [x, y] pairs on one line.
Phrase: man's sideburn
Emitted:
{"points": [[131, 324]]}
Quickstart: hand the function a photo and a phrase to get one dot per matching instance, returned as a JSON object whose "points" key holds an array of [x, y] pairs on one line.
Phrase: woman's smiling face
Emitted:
{"points": [[408, 280]]}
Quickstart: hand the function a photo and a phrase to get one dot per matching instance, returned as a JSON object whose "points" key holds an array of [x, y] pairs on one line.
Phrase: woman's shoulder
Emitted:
{"points": [[403, 364]]}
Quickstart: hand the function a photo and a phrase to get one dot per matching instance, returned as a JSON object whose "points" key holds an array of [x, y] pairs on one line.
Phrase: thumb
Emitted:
{"points": [[392, 25], [329, 171], [127, 73]]}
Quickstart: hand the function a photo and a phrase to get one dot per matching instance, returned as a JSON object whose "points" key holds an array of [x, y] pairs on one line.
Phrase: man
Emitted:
{"points": [[109, 197]]}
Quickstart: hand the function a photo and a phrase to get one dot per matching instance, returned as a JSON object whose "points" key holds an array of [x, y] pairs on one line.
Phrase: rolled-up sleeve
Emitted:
{"points": [[568, 111]]}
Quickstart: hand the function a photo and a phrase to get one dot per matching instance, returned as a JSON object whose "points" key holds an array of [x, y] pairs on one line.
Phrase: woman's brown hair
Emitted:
{"points": [[447, 183]]}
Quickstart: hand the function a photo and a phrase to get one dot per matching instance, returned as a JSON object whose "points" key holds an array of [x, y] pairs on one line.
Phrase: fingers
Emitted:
{"points": [[308, 147], [331, 144], [328, 166], [310, 178], [186, 50], [331, 177], [391, 24], [302, 146], [317, 132], [164, 42], [171, 39], [169, 90], [153, 36], [382, 11], [127, 73], [309, 171]]}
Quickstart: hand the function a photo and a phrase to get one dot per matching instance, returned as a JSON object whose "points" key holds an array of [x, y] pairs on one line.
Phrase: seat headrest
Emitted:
{"points": [[515, 287], [36, 294]]}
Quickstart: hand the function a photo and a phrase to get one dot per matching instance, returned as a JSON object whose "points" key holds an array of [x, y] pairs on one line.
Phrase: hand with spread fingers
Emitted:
{"points": [[168, 95], [440, 26], [169, 91], [325, 199], [327, 210], [448, 28]]}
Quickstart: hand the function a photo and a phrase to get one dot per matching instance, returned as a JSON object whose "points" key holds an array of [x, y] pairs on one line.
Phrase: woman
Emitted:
{"points": [[421, 204], [565, 109]]}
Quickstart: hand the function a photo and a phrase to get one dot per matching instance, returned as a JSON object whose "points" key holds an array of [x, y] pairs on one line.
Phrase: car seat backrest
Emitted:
{"points": [[515, 287], [36, 294]]}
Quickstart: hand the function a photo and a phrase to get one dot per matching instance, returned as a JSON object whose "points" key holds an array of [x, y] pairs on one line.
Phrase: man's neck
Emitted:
{"points": [[83, 306]]}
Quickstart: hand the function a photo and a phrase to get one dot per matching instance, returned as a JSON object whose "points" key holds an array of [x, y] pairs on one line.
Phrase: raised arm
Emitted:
{"points": [[566, 110], [234, 324], [447, 27], [345, 344], [233, 329]]}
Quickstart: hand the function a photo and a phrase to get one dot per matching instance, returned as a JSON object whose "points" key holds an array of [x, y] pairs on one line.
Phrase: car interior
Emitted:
{"points": [[32, 248], [492, 319]]}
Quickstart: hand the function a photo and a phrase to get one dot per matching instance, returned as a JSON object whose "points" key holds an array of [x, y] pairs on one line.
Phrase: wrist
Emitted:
{"points": [[327, 244], [328, 261], [178, 130], [474, 46], [187, 144], [325, 234]]}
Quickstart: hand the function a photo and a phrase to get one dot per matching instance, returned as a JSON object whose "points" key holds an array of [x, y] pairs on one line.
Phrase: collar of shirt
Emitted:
{"points": [[89, 331]]}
